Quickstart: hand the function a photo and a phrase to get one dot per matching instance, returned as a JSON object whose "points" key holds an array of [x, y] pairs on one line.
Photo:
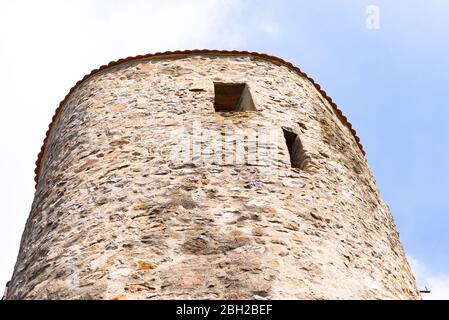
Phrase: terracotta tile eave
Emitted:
{"points": [[170, 54]]}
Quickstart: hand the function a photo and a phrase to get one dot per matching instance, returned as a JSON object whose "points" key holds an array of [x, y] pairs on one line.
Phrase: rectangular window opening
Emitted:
{"points": [[233, 97], [295, 148]]}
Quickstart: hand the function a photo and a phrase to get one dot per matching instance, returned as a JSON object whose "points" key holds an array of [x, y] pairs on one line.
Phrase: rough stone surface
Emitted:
{"points": [[118, 215]]}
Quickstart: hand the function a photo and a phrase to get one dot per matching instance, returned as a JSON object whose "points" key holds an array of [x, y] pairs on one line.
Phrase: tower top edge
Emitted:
{"points": [[186, 53]]}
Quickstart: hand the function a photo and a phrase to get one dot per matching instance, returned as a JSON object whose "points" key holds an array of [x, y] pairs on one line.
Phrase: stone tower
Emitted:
{"points": [[206, 175]]}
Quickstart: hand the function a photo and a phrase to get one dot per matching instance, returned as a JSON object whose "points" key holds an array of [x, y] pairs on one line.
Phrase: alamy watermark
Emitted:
{"points": [[372, 21], [200, 144]]}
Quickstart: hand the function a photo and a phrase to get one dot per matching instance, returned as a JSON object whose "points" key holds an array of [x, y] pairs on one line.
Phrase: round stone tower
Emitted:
{"points": [[206, 175]]}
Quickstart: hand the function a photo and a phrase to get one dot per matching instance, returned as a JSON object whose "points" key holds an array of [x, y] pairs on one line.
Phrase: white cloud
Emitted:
{"points": [[438, 284], [46, 46], [271, 29]]}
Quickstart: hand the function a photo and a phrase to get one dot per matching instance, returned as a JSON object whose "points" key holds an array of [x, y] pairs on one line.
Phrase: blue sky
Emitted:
{"points": [[391, 82]]}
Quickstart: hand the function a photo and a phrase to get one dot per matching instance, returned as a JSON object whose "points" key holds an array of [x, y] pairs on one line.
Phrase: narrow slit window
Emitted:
{"points": [[232, 97], [295, 148]]}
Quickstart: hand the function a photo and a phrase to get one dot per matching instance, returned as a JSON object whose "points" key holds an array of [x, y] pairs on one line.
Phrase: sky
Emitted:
{"points": [[385, 63]]}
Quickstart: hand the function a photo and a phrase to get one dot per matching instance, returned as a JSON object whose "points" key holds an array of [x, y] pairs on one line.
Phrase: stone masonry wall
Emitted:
{"points": [[146, 192]]}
